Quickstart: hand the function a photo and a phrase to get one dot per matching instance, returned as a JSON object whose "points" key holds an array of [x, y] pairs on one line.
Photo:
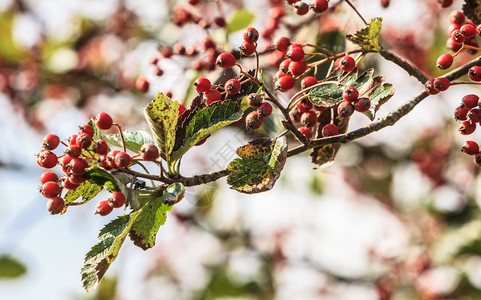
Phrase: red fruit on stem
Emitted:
{"points": [[285, 83], [429, 87], [457, 17], [281, 43], [86, 129], [329, 130], [461, 113], [232, 86], [295, 53], [73, 151], [308, 82], [247, 49], [254, 100], [202, 85], [444, 61], [309, 118], [47, 159], [304, 105], [470, 148], [116, 199], [212, 96], [466, 127], [470, 100], [77, 166], [345, 109], [84, 140], [55, 205], [362, 104], [48, 176], [301, 8], [264, 110], [103, 121], [67, 184], [50, 189], [319, 6], [225, 60], [441, 84], [474, 73], [297, 67], [122, 160], [350, 94], [149, 152], [468, 30], [50, 141], [142, 84], [100, 147], [103, 208], [347, 63], [254, 120], [251, 35], [307, 132]]}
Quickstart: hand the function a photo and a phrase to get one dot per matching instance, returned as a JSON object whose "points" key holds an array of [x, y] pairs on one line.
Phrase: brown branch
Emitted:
{"points": [[413, 71]]}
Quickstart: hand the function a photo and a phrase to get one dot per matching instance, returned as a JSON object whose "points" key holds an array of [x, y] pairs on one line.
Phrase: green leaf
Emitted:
{"points": [[368, 37], [87, 190], [173, 193], [326, 95], [472, 10], [133, 140], [205, 121], [104, 178], [379, 96], [260, 165], [102, 255], [162, 114], [148, 222], [239, 20], [10, 267]]}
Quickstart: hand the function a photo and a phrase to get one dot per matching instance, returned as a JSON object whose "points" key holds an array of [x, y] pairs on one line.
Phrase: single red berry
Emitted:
{"points": [[166, 52], [64, 161], [110, 158], [264, 110], [191, 51], [254, 100], [55, 205], [345, 109], [67, 184], [207, 43], [304, 105], [457, 36], [445, 3], [295, 115], [441, 83], [77, 166], [225, 60], [182, 109], [86, 129], [72, 140], [202, 85], [254, 120], [347, 63], [309, 118], [50, 189], [461, 113], [232, 86], [474, 115], [308, 81], [329, 130], [73, 151], [251, 35], [116, 199], [142, 84], [284, 66], [149, 152], [84, 140], [281, 43], [477, 159], [103, 121], [301, 8], [220, 22], [319, 6], [444, 61], [350, 94], [474, 73], [122, 160], [295, 53], [466, 127], [194, 2], [101, 147], [154, 60], [247, 49], [297, 67], [50, 141], [468, 30], [285, 83], [362, 104], [306, 131], [470, 148], [470, 100], [103, 208], [430, 88], [385, 3], [48, 176], [77, 179], [47, 159], [178, 49], [158, 71], [457, 17], [212, 96]]}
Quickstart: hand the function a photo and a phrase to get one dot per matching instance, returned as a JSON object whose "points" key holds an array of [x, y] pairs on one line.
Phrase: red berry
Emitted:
{"points": [[166, 52], [178, 49], [385, 3], [247, 49], [103, 208], [350, 94], [48, 176], [254, 120], [281, 43], [202, 85], [284, 66], [101, 147], [84, 140], [295, 53], [77, 179], [457, 17], [264, 110], [64, 161], [251, 35], [441, 83], [466, 127], [477, 159], [319, 6], [72, 140], [347, 63], [308, 82], [50, 189], [232, 86], [212, 96], [457, 36], [362, 104], [86, 129], [307, 132], [461, 113], [182, 109], [220, 21], [77, 166], [470, 148], [445, 3], [208, 43], [470, 100], [329, 130], [50, 141], [149, 152], [103, 121], [304, 105], [474, 115], [47, 159], [474, 73], [67, 184], [285, 83], [468, 30], [309, 118], [225, 60], [345, 109], [277, 12], [301, 8], [117, 199], [430, 88], [444, 61], [73, 151], [55, 205], [297, 67], [254, 100], [110, 158], [142, 84], [122, 160], [452, 45]]}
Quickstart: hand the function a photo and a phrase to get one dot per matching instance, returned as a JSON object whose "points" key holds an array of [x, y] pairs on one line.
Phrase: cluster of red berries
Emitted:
{"points": [[431, 156], [83, 151], [255, 118], [468, 113]]}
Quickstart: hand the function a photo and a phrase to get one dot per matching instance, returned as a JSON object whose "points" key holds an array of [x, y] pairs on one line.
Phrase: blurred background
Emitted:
{"points": [[395, 216]]}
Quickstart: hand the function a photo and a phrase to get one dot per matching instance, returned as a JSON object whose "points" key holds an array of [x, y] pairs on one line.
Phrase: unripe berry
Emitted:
{"points": [[212, 96], [247, 49], [103, 208], [350, 94], [281, 43], [308, 82], [149, 152], [50, 189], [254, 120], [466, 127], [444, 61], [50, 141], [202, 85], [347, 63], [285, 83], [101, 147], [117, 199], [362, 104], [232, 86], [251, 35], [301, 8], [309, 118], [470, 148], [55, 205], [329, 130], [48, 176], [307, 132], [225, 60], [47, 159], [297, 67], [84, 140], [319, 6], [470, 100], [103, 121], [304, 105], [295, 53], [474, 73], [345, 109], [264, 110], [254, 100], [122, 160], [142, 84]]}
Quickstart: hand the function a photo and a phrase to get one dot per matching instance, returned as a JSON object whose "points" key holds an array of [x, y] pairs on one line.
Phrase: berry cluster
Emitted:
{"points": [[255, 118], [82, 151], [468, 114]]}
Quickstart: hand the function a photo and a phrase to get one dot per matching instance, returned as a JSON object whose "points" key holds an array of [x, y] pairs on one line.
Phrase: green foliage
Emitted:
{"points": [[239, 20], [87, 190], [368, 37], [104, 178], [205, 121], [472, 10], [11, 268], [162, 114], [173, 193], [133, 140], [260, 165]]}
